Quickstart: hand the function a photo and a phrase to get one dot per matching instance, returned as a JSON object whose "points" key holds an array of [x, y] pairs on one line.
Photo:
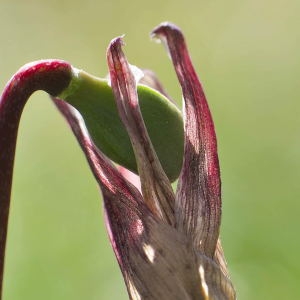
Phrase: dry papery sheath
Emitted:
{"points": [[167, 244]]}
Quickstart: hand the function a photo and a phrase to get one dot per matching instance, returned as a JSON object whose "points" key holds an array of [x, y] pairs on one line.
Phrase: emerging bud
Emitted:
{"points": [[94, 99]]}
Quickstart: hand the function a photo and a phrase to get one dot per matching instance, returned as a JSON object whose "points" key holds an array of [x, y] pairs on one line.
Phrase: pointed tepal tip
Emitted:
{"points": [[169, 34], [117, 41], [115, 46], [164, 29]]}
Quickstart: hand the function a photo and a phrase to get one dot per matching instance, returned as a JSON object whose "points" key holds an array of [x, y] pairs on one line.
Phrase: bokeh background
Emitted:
{"points": [[247, 54]]}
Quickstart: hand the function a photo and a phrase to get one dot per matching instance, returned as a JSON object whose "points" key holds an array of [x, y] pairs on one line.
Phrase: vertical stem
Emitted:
{"points": [[52, 76]]}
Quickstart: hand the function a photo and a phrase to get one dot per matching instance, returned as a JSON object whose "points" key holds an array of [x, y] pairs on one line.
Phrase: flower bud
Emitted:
{"points": [[94, 99]]}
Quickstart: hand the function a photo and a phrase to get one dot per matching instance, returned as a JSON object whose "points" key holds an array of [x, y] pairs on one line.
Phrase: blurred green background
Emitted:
{"points": [[247, 55]]}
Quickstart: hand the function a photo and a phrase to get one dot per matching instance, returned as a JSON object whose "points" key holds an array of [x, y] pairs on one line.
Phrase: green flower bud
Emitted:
{"points": [[94, 99]]}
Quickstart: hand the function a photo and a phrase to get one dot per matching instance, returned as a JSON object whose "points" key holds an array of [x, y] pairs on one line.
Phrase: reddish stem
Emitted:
{"points": [[52, 76]]}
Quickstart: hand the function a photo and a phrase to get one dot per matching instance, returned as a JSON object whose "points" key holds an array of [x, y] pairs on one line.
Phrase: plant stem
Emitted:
{"points": [[52, 76]]}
